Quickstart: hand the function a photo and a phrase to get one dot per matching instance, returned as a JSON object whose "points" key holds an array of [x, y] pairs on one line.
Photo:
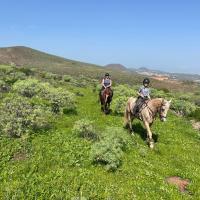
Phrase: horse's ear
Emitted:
{"points": [[170, 100]]}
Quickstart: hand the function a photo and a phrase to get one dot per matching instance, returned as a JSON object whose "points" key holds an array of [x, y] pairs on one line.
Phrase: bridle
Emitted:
{"points": [[161, 112]]}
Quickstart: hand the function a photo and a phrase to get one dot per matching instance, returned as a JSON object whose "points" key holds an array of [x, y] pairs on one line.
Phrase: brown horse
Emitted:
{"points": [[147, 114], [105, 99]]}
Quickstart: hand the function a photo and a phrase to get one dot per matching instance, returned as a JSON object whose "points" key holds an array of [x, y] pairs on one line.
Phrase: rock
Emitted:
{"points": [[179, 182]]}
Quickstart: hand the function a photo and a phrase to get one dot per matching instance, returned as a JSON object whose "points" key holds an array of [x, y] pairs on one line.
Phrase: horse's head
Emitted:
{"points": [[164, 109]]}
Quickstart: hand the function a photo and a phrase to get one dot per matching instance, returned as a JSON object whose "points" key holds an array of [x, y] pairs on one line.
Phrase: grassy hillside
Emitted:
{"points": [[56, 163], [25, 56], [30, 58]]}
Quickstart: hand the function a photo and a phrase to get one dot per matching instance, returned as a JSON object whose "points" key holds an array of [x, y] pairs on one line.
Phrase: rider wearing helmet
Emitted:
{"points": [[144, 94], [144, 91], [106, 82]]}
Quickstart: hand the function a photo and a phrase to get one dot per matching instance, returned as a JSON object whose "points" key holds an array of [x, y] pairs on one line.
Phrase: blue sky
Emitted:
{"points": [[159, 34]]}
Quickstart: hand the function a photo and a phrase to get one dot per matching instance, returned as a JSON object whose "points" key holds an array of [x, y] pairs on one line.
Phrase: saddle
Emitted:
{"points": [[139, 107]]}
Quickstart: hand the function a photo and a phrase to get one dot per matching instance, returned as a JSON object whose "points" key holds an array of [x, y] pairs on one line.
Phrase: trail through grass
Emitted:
{"points": [[58, 165]]}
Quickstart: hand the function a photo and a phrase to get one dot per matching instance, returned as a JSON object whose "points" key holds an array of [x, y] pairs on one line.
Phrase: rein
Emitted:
{"points": [[151, 112]]}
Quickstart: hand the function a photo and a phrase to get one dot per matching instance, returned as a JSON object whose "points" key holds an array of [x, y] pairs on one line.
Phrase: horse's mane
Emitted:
{"points": [[154, 104]]}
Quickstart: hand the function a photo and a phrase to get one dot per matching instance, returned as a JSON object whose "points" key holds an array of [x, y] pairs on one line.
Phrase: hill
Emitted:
{"points": [[30, 58], [25, 56], [116, 66]]}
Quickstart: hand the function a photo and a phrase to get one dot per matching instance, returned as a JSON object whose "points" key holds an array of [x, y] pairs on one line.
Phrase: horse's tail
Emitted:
{"points": [[128, 110], [127, 113]]}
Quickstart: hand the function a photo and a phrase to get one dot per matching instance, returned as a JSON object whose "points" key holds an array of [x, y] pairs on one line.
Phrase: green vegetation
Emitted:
{"points": [[122, 93], [18, 116], [109, 150], [84, 128], [67, 149]]}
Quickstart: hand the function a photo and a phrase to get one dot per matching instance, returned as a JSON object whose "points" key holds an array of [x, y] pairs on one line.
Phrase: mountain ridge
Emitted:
{"points": [[116, 66]]}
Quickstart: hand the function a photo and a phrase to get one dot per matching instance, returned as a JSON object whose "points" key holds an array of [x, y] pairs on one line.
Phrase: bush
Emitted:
{"points": [[84, 128], [67, 78], [121, 93], [18, 117], [197, 102], [5, 69], [185, 97], [97, 88], [27, 71], [109, 150], [58, 98], [124, 91], [165, 90], [61, 99], [49, 75], [30, 87], [182, 107], [158, 93], [4, 87], [118, 104], [195, 114], [13, 77]]}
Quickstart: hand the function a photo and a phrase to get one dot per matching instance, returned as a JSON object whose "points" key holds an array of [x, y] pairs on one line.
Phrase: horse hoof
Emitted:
{"points": [[151, 145]]}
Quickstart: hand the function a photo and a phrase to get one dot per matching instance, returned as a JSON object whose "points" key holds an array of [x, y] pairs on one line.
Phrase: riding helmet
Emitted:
{"points": [[146, 81], [107, 74]]}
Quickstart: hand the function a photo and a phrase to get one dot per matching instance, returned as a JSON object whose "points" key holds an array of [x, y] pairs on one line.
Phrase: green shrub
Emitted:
{"points": [[165, 90], [97, 88], [195, 114], [67, 78], [197, 102], [30, 87], [18, 117], [4, 87], [40, 119], [109, 150], [182, 107], [197, 93], [58, 98], [5, 69], [118, 104], [124, 90], [13, 77], [185, 97], [158, 93], [121, 95], [49, 75], [27, 71], [84, 128]]}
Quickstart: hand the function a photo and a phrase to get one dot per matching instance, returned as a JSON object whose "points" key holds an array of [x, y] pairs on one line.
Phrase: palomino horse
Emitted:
{"points": [[105, 99], [147, 114]]}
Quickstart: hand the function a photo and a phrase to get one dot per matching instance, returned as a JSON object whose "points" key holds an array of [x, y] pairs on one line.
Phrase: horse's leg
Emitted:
{"points": [[106, 104], [126, 122], [102, 105], [129, 121], [105, 107], [149, 134], [130, 124]]}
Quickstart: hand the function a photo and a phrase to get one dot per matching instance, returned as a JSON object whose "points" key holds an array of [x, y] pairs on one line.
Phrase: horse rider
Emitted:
{"points": [[143, 94], [106, 83]]}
